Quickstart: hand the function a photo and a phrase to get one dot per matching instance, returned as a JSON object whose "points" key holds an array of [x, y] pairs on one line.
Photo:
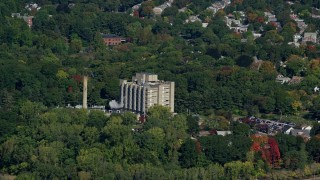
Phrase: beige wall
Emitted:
{"points": [[146, 91]]}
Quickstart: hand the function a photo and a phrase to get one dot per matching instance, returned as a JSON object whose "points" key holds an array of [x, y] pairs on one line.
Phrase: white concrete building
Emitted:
{"points": [[144, 91]]}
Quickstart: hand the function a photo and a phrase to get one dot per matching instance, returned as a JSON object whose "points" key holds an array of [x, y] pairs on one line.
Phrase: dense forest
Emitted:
{"points": [[218, 73]]}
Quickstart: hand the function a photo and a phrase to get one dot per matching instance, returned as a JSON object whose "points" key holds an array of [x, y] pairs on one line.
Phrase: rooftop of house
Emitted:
{"points": [[300, 132], [224, 133], [296, 44], [204, 133], [269, 14], [183, 9], [295, 80], [286, 128], [136, 7], [193, 19], [110, 36], [310, 34], [272, 19], [282, 79]]}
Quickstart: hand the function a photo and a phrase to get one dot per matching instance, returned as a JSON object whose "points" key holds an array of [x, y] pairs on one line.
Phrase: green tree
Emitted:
{"points": [[189, 153], [240, 129], [193, 124], [315, 129], [75, 45], [296, 66], [146, 9], [97, 119], [154, 142], [90, 159], [170, 11], [273, 37], [312, 148], [129, 118], [296, 159], [214, 148], [288, 143], [29, 110], [244, 61]]}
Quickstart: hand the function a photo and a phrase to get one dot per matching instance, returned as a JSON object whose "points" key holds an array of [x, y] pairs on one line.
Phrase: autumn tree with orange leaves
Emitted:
{"points": [[268, 147]]}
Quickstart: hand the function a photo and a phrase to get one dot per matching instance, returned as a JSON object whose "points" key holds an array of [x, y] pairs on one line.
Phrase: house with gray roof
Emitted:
{"points": [[159, 9], [300, 132]]}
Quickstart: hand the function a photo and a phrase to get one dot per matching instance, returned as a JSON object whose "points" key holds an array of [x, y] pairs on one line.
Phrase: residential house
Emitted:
{"points": [[295, 44], [15, 15], [309, 37], [290, 2], [214, 132], [295, 80], [296, 39], [226, 2], [159, 9], [244, 40], [224, 133], [112, 39], [256, 35], [300, 23], [302, 26], [231, 21], [135, 10], [32, 6], [184, 9], [193, 19], [26, 18], [293, 16], [235, 24], [256, 64], [270, 17], [315, 16], [307, 128], [282, 79], [204, 133], [287, 129], [136, 7], [301, 132], [241, 28], [204, 25], [215, 7]]}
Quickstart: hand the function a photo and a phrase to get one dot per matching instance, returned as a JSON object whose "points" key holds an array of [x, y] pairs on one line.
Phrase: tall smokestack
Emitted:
{"points": [[85, 92]]}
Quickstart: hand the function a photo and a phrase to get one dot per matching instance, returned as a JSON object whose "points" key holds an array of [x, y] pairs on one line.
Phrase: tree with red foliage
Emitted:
{"points": [[255, 147], [268, 147], [198, 147], [260, 19], [311, 48], [70, 89], [274, 152], [77, 78]]}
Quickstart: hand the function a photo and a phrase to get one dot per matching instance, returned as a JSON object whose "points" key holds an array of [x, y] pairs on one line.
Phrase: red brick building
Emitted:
{"points": [[112, 39]]}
